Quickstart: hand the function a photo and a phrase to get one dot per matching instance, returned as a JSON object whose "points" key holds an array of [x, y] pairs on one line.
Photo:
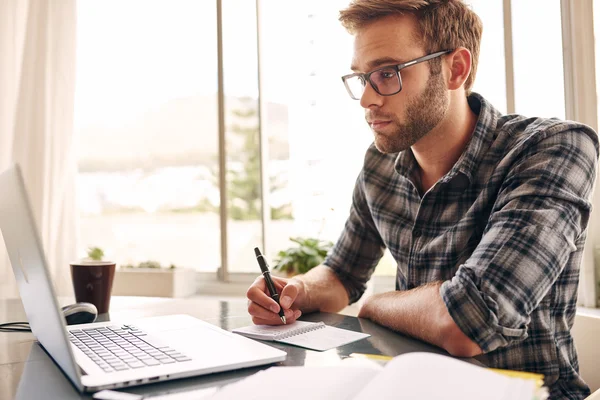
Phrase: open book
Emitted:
{"points": [[411, 376], [311, 335]]}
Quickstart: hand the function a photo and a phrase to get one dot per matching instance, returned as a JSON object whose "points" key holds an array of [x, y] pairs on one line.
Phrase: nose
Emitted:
{"points": [[370, 98]]}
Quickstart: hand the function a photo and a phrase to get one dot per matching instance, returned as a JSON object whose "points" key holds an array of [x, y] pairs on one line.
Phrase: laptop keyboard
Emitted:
{"points": [[119, 348]]}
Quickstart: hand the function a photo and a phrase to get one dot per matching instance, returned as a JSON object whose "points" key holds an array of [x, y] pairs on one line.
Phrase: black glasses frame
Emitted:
{"points": [[367, 77]]}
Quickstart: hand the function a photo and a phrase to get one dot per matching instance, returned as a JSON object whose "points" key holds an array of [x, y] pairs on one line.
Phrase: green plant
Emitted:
{"points": [[95, 253], [149, 264], [299, 259]]}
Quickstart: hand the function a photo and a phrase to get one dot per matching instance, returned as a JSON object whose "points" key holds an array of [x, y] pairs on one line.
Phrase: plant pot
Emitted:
{"points": [[155, 282]]}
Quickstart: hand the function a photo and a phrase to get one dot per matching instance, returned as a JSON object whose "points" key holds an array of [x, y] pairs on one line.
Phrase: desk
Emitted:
{"points": [[26, 372]]}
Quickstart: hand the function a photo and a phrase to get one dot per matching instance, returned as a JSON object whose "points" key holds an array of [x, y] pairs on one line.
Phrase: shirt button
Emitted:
{"points": [[417, 234]]}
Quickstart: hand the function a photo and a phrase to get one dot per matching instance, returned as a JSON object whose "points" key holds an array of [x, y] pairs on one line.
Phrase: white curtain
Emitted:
{"points": [[37, 87]]}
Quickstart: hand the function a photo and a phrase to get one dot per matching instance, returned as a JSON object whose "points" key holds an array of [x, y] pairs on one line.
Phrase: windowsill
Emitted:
{"points": [[588, 312], [238, 284]]}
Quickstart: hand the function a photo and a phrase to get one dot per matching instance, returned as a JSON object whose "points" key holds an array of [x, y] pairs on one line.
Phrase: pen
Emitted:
{"points": [[265, 271]]}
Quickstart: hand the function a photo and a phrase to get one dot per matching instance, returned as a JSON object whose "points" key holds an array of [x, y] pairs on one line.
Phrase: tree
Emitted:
{"points": [[243, 167]]}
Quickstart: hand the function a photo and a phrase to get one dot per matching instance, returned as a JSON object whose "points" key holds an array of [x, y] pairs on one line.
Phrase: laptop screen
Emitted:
{"points": [[24, 249]]}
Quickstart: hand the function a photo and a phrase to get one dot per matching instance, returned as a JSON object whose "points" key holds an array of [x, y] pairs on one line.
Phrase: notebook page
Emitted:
{"points": [[328, 337], [433, 376], [272, 332], [299, 383]]}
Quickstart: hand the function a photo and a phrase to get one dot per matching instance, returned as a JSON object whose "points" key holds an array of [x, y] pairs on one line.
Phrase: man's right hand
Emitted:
{"points": [[263, 309]]}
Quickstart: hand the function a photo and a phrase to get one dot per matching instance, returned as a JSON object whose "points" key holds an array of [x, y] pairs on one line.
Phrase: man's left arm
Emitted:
{"points": [[420, 313], [541, 211]]}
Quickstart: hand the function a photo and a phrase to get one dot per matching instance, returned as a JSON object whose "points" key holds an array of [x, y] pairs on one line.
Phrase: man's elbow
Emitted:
{"points": [[457, 343], [466, 348]]}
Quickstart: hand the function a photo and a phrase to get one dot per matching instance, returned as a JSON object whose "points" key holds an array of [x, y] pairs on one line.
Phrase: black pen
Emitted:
{"points": [[265, 271]]}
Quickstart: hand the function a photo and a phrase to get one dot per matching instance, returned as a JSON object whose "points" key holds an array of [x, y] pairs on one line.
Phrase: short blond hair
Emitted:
{"points": [[443, 24]]}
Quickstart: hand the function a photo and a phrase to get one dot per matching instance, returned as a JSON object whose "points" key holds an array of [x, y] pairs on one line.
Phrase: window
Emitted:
{"points": [[538, 58], [244, 208], [316, 134], [147, 121], [490, 78], [594, 273], [146, 124]]}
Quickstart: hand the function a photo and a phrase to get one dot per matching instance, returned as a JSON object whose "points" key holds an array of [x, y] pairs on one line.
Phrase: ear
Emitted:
{"points": [[458, 65]]}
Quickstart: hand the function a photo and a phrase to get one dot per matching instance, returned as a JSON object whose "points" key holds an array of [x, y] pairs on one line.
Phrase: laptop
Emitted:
{"points": [[109, 355]]}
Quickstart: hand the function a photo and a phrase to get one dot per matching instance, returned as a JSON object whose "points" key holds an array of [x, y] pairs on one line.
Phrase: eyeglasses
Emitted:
{"points": [[385, 80]]}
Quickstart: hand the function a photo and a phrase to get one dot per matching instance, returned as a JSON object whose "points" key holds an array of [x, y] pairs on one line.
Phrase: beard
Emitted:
{"points": [[423, 113]]}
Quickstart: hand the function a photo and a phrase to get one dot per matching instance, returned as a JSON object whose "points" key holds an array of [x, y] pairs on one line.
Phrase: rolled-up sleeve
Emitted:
{"points": [[359, 248], [540, 213]]}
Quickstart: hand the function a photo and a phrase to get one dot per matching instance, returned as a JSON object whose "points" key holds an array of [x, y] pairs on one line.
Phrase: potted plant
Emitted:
{"points": [[301, 258], [95, 253], [150, 278]]}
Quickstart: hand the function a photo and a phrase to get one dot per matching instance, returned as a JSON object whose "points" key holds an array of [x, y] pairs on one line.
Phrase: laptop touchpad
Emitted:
{"points": [[204, 342]]}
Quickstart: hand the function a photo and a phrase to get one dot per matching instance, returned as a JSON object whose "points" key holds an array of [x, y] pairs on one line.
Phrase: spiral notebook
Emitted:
{"points": [[310, 335]]}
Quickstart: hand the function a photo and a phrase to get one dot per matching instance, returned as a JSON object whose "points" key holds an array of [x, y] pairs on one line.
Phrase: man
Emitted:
{"points": [[485, 214]]}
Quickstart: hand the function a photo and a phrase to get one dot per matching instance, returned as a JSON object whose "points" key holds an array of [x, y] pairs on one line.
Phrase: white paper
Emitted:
{"points": [[115, 395], [413, 376], [326, 338], [196, 394], [299, 383], [432, 376], [271, 332], [311, 335]]}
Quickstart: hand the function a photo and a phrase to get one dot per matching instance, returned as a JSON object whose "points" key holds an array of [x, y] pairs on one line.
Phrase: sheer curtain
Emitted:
{"points": [[37, 85]]}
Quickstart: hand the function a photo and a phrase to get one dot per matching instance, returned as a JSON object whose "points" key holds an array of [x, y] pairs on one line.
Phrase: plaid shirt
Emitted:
{"points": [[503, 230]]}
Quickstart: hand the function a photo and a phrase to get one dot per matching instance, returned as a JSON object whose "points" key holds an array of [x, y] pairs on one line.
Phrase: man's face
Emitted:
{"points": [[401, 120]]}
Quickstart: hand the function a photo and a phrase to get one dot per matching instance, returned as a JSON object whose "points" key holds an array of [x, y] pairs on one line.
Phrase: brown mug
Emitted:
{"points": [[92, 282]]}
